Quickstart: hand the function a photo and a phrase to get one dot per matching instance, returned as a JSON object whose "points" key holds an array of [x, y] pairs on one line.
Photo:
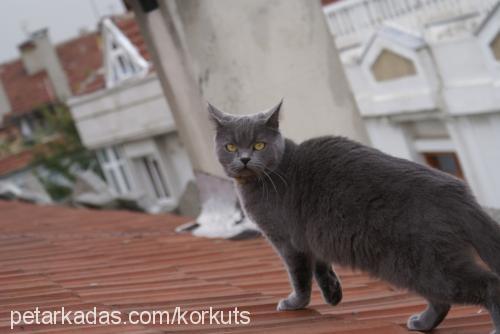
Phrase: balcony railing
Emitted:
{"points": [[352, 17]]}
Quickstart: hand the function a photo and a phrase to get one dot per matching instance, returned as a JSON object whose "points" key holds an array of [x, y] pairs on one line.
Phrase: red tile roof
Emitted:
{"points": [[328, 2], [15, 162], [128, 25], [115, 260], [25, 92], [81, 59]]}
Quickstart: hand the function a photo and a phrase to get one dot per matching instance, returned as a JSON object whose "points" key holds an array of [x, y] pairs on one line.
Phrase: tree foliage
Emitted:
{"points": [[59, 152]]}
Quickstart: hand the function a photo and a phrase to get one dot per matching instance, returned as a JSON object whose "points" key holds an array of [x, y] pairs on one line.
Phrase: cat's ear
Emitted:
{"points": [[272, 116], [217, 116]]}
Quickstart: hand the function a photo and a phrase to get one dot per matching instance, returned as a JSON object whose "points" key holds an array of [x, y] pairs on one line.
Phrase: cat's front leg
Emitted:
{"points": [[300, 268], [328, 282]]}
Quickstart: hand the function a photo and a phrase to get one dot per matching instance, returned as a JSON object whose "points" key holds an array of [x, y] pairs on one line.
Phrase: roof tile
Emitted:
{"points": [[116, 260]]}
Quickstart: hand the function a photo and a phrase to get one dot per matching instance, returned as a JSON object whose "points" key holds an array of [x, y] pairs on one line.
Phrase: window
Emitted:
{"points": [[390, 66], [123, 68], [153, 178], [445, 161], [26, 129], [113, 166]]}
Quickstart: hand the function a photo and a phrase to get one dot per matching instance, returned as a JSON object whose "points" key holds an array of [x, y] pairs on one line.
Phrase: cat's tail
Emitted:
{"points": [[485, 237]]}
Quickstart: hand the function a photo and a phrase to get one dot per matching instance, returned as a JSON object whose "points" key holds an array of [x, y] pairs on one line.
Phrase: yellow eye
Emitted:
{"points": [[231, 148], [259, 146]]}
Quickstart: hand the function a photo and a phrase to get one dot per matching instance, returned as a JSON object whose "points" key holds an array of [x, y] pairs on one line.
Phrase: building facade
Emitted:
{"points": [[33, 89], [426, 78], [128, 123]]}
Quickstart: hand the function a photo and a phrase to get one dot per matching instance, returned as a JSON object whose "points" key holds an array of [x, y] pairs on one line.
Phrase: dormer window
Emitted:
{"points": [[122, 59], [390, 66]]}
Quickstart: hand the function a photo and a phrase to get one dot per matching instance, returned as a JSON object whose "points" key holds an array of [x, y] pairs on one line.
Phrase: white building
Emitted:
{"points": [[426, 77], [129, 124]]}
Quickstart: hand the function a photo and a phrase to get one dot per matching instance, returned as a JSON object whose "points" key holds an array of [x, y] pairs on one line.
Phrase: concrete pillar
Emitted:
{"points": [[248, 54], [243, 56]]}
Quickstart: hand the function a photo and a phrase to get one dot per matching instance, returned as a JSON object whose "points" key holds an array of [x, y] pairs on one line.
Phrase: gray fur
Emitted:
{"points": [[332, 200]]}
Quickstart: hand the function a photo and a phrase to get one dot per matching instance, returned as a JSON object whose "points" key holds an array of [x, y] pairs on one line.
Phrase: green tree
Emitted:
{"points": [[60, 152]]}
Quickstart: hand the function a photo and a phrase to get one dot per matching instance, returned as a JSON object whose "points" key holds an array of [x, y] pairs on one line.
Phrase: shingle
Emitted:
{"points": [[54, 256]]}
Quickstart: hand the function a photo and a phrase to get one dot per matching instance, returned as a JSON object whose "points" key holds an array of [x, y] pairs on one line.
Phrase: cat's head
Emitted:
{"points": [[249, 145]]}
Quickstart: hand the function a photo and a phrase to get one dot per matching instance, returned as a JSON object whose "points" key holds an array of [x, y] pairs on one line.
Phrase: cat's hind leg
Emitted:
{"points": [[484, 289], [328, 282], [494, 308], [467, 283], [429, 319]]}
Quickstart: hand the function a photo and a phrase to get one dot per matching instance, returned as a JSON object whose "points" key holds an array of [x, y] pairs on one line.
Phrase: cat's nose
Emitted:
{"points": [[245, 160]]}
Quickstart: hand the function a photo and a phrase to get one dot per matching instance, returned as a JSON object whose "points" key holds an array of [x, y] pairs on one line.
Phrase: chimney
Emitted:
{"points": [[4, 103], [38, 54]]}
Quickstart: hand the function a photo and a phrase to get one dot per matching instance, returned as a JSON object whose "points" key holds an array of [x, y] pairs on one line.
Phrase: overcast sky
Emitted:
{"points": [[64, 18]]}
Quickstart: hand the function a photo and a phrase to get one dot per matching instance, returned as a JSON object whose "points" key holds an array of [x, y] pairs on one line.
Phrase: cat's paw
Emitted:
{"points": [[293, 302], [332, 293], [416, 323]]}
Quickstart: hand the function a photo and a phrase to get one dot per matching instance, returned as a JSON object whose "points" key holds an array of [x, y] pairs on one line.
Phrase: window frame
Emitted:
{"points": [[114, 167], [431, 160]]}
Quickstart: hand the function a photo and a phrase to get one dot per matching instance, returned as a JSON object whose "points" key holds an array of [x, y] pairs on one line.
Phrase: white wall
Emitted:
{"points": [[176, 162], [471, 77], [390, 138], [132, 111], [477, 139]]}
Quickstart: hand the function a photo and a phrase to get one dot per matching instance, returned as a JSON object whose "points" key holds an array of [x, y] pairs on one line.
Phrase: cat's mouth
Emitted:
{"points": [[246, 172], [245, 175]]}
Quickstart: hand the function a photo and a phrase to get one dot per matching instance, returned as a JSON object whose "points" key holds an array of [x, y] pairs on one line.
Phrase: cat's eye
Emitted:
{"points": [[259, 146], [231, 148]]}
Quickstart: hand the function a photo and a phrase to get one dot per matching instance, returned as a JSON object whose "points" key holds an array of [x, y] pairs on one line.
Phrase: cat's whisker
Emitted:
{"points": [[263, 180], [264, 188], [270, 179], [263, 168], [282, 178]]}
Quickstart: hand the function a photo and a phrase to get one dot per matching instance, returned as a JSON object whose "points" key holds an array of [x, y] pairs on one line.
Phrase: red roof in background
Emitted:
{"points": [[15, 162], [116, 260], [328, 2], [129, 26], [81, 59], [25, 92]]}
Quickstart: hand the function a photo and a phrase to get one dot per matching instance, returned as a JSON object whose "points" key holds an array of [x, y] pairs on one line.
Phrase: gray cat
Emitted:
{"points": [[332, 200]]}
